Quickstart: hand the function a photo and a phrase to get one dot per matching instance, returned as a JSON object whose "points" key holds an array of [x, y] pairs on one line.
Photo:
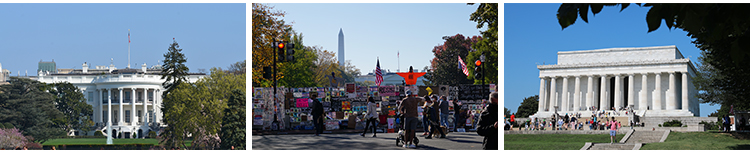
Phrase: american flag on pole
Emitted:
{"points": [[462, 66], [378, 74], [128, 35]]}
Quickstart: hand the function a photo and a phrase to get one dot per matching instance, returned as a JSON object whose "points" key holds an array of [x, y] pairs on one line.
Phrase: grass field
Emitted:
{"points": [[699, 141], [104, 141], [553, 141]]}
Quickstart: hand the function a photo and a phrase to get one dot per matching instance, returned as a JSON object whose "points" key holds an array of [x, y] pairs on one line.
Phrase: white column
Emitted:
{"points": [[604, 97], [145, 106], [630, 89], [542, 96], [132, 107], [157, 106], [552, 94], [101, 107], [643, 105], [657, 92], [121, 120], [685, 100], [590, 93], [564, 95], [577, 95], [618, 92], [671, 93]]}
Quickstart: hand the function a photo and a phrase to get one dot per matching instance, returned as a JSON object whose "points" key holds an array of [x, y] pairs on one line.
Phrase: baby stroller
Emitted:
{"points": [[401, 139]]}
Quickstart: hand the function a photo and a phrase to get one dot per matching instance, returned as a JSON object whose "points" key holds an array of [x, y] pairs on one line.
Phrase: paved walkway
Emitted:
{"points": [[353, 141]]}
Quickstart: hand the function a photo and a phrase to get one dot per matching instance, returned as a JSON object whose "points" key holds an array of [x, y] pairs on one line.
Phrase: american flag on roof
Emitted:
{"points": [[128, 35], [462, 66], [378, 74]]}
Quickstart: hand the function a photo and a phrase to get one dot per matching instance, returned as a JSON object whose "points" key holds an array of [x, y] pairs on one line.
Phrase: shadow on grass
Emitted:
{"points": [[740, 147]]}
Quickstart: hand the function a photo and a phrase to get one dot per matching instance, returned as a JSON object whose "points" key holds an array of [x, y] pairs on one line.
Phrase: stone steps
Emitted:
{"points": [[645, 137], [615, 146]]}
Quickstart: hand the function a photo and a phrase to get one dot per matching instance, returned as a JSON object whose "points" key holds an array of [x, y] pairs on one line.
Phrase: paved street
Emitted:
{"points": [[352, 141]]}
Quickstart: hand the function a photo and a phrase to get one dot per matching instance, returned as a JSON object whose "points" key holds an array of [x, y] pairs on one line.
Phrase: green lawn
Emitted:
{"points": [[553, 141], [699, 141], [104, 141]]}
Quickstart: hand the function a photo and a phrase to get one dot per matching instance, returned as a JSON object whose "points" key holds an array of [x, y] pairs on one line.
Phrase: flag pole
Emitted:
{"points": [[128, 48]]}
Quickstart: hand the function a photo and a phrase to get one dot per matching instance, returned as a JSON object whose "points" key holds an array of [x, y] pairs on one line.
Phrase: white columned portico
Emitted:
{"points": [[553, 94], [590, 92], [603, 93], [685, 101], [577, 94], [657, 92], [120, 120], [618, 92], [564, 96], [132, 107], [643, 101], [671, 97], [542, 97], [631, 79]]}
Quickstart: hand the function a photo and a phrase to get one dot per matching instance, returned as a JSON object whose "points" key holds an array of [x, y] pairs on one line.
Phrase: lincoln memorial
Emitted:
{"points": [[650, 81]]}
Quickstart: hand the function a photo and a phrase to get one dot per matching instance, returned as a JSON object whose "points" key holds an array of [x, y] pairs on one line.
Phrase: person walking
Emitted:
{"points": [[457, 122], [613, 125], [487, 125], [318, 114], [425, 120], [372, 117], [444, 112], [434, 121], [408, 107]]}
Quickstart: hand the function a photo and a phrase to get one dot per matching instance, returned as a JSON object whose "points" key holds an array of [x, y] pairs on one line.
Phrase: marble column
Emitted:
{"points": [[604, 97], [109, 116], [132, 107], [618, 92], [643, 101], [590, 93], [542, 96], [630, 90], [564, 96], [101, 107], [121, 119], [657, 92], [685, 100], [145, 107], [552, 94], [577, 95], [671, 93]]}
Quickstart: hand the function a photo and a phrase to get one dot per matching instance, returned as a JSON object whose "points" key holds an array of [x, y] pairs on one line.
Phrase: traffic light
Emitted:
{"points": [[290, 52], [280, 48], [478, 70], [267, 72]]}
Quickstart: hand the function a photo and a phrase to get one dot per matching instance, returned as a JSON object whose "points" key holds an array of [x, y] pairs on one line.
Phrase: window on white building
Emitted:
{"points": [[140, 96], [127, 115], [127, 96], [140, 116], [91, 97], [151, 116], [105, 116], [115, 117], [150, 96]]}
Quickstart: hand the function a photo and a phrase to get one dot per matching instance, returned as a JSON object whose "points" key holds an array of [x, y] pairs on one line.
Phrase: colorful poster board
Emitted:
{"points": [[302, 102], [387, 91]]}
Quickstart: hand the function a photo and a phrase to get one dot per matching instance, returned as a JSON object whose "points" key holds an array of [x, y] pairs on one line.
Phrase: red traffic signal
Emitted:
{"points": [[478, 63], [281, 45]]}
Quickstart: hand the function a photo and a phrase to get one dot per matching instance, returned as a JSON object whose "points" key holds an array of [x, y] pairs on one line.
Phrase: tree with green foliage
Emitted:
{"points": [[267, 26], [26, 105], [445, 69], [529, 106], [718, 30], [174, 71], [299, 73], [233, 124], [200, 110], [507, 112], [486, 14], [237, 68], [78, 115]]}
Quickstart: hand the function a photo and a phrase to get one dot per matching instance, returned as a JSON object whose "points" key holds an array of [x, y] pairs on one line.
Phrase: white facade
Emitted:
{"points": [[131, 97], [653, 81]]}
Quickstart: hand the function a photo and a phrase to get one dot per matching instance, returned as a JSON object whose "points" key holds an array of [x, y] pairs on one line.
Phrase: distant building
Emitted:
{"points": [[4, 75], [342, 60], [47, 67], [131, 97]]}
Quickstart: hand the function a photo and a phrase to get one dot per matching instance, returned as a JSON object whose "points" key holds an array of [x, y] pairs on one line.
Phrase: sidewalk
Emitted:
{"points": [[340, 131]]}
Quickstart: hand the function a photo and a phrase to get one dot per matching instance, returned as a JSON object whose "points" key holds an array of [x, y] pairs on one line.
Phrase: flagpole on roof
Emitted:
{"points": [[128, 48]]}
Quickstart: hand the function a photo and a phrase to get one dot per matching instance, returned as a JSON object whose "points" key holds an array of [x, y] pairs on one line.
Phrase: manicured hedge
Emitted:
{"points": [[101, 146]]}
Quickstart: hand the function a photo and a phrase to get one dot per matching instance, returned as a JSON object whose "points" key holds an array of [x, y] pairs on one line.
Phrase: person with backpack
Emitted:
{"points": [[371, 117]]}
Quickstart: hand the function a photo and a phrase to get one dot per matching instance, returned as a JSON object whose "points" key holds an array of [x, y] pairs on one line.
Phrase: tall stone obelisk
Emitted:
{"points": [[341, 48]]}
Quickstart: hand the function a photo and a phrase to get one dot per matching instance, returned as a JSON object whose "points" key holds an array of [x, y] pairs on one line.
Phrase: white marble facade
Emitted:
{"points": [[654, 81]]}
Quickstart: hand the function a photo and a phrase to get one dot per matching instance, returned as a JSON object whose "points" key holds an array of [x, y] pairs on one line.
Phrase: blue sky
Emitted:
{"points": [[533, 37], [211, 35], [380, 30]]}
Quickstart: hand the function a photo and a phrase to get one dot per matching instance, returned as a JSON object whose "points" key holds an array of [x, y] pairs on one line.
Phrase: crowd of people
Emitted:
{"points": [[599, 121]]}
